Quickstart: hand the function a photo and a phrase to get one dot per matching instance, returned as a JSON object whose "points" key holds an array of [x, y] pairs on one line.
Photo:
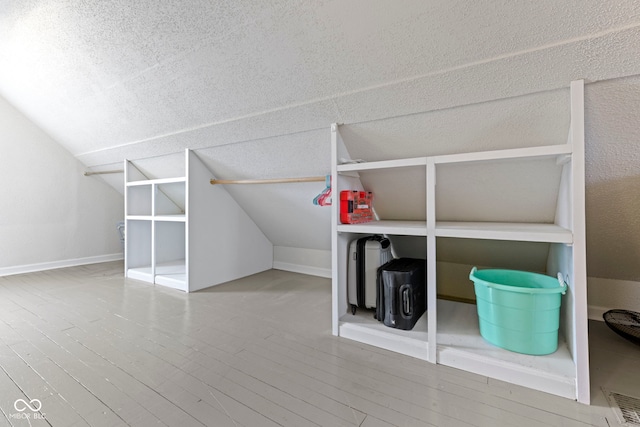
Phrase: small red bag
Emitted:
{"points": [[355, 206]]}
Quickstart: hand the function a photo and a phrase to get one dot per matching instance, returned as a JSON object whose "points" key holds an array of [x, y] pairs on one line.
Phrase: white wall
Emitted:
{"points": [[316, 262], [50, 214], [607, 294]]}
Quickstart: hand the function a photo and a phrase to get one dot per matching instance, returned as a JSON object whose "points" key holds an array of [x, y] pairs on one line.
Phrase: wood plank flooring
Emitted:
{"points": [[84, 346]]}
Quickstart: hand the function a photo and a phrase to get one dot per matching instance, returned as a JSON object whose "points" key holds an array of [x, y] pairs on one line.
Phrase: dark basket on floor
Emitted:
{"points": [[625, 323]]}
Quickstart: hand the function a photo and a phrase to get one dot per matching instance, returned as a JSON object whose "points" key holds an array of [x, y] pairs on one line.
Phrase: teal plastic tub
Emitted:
{"points": [[518, 310]]}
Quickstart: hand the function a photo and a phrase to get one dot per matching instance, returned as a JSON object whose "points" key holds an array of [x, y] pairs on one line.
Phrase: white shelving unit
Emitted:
{"points": [[523, 196], [155, 223], [182, 232]]}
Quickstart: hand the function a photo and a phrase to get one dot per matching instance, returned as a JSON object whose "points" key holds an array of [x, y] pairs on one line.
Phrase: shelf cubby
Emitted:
{"points": [[170, 255], [139, 200], [362, 326], [170, 198], [520, 190], [138, 245], [459, 344]]}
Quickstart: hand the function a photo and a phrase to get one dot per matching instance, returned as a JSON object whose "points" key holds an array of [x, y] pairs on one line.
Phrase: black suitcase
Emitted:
{"points": [[402, 292]]}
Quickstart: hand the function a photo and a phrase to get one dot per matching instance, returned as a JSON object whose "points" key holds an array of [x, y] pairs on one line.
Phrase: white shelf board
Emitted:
{"points": [[157, 181], [141, 273], [514, 153], [526, 232], [172, 274], [362, 327], [173, 218], [139, 217], [385, 164], [460, 345], [400, 228], [176, 281]]}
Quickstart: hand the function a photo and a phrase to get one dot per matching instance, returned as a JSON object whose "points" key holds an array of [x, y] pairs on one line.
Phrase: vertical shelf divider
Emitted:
{"points": [[154, 255], [335, 205], [432, 294], [581, 349], [338, 240]]}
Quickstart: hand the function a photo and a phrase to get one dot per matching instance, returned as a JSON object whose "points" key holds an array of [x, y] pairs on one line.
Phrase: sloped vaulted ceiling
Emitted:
{"points": [[253, 86]]}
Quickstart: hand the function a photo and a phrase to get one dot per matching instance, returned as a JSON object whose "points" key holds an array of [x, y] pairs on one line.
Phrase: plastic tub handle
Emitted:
{"points": [[563, 284], [484, 282]]}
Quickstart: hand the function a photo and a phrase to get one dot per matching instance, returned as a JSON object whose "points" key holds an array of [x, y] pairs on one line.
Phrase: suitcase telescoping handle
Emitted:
{"points": [[401, 301], [407, 307]]}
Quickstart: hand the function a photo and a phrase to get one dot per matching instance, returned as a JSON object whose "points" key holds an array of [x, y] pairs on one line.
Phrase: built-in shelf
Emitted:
{"points": [[141, 273], [384, 164], [172, 274], [549, 233], [170, 218], [514, 153], [140, 217], [400, 228], [540, 189], [173, 218], [156, 181], [156, 229], [178, 234], [364, 328]]}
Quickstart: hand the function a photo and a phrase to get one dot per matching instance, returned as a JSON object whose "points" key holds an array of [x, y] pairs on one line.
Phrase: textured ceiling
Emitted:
{"points": [[253, 86]]}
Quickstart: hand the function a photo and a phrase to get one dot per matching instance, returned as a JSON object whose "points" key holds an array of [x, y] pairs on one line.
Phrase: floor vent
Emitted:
{"points": [[627, 408]]}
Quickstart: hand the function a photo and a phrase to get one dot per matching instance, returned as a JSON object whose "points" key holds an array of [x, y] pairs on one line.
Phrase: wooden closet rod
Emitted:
{"points": [[87, 173], [269, 181]]}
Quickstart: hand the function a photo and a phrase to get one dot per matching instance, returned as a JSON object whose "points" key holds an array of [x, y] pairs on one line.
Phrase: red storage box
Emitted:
{"points": [[355, 206]]}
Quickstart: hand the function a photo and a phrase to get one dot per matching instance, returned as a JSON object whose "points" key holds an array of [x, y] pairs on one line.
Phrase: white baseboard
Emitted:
{"points": [[30, 268], [596, 312], [607, 294], [304, 269], [315, 262]]}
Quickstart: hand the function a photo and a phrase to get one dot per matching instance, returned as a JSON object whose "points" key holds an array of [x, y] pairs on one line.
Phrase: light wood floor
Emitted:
{"points": [[96, 349]]}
